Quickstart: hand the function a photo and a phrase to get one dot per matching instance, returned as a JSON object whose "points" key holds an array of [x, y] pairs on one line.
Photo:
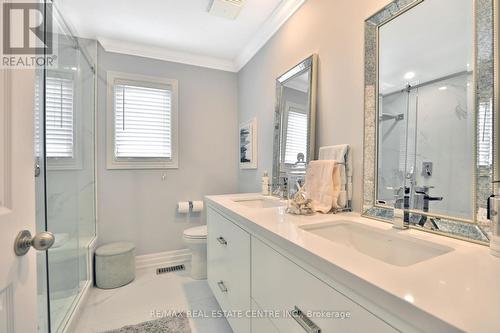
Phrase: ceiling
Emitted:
{"points": [[300, 83], [432, 40], [179, 30]]}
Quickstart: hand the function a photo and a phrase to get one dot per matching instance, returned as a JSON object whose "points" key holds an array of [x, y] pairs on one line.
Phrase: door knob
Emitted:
{"points": [[42, 241]]}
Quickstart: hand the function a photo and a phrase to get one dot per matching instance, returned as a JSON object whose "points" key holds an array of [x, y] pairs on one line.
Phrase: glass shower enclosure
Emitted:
{"points": [[65, 173]]}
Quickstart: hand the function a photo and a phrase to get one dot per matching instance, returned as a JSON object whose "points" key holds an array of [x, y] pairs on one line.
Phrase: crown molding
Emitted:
{"points": [[161, 53], [273, 23], [279, 16]]}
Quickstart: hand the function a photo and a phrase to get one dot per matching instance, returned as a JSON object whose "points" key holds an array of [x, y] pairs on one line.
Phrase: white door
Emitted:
{"points": [[18, 304]]}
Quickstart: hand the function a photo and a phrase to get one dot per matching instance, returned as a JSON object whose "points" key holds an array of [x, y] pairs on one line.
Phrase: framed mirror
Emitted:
{"points": [[295, 122], [429, 114]]}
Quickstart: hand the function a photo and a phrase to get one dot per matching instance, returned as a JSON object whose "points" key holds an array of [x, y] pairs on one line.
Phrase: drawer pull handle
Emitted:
{"points": [[222, 286], [306, 323], [222, 241]]}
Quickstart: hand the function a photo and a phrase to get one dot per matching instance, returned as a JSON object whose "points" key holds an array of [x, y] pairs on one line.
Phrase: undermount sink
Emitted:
{"points": [[388, 246], [260, 202]]}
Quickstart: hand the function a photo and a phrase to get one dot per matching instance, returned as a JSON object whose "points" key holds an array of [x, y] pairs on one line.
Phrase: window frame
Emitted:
{"points": [[112, 162]]}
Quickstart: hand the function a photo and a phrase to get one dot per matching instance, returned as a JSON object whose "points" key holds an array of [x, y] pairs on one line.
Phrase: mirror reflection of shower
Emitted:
{"points": [[426, 118], [408, 121]]}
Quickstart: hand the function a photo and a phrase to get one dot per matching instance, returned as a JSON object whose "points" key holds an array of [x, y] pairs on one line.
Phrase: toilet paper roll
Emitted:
{"points": [[183, 207], [197, 206]]}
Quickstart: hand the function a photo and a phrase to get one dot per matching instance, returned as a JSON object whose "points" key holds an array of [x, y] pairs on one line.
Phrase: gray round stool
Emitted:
{"points": [[114, 265]]}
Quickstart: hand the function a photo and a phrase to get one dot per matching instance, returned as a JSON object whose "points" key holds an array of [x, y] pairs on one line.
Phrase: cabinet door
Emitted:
{"points": [[229, 269], [278, 284], [260, 321]]}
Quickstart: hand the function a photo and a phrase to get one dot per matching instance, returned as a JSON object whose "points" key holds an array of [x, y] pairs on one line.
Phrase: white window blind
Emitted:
{"points": [[37, 124], [485, 134], [142, 122], [59, 118], [296, 135]]}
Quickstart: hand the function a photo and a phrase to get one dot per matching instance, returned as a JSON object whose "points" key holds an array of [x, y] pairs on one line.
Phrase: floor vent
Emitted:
{"points": [[170, 269]]}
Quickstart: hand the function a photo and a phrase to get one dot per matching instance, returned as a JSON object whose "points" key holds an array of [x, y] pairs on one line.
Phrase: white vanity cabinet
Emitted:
{"points": [[279, 284], [247, 276], [260, 322], [228, 270]]}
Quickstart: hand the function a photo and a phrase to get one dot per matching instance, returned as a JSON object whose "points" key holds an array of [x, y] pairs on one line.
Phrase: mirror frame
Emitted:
{"points": [[310, 63], [485, 79]]}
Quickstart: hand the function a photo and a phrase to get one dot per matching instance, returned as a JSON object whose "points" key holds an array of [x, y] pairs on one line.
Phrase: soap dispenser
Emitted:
{"points": [[265, 184], [493, 215]]}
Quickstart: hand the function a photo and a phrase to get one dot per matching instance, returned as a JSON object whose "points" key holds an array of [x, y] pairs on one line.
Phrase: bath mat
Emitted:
{"points": [[174, 324]]}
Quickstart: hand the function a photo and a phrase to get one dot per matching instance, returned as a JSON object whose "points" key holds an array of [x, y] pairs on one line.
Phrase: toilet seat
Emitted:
{"points": [[196, 232]]}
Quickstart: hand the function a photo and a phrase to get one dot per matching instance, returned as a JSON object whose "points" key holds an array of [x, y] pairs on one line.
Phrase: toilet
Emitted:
{"points": [[196, 240]]}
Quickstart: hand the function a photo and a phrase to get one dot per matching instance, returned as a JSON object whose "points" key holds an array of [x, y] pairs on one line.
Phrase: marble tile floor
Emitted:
{"points": [[149, 294], [59, 308]]}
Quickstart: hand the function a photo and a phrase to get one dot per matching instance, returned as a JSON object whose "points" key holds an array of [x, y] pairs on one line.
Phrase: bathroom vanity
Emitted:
{"points": [[275, 272]]}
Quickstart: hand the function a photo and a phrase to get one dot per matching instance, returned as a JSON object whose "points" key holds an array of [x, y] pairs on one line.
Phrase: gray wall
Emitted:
{"points": [[136, 205], [334, 30]]}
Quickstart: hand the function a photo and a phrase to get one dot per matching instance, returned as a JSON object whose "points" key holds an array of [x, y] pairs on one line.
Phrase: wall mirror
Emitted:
{"points": [[295, 117], [429, 114]]}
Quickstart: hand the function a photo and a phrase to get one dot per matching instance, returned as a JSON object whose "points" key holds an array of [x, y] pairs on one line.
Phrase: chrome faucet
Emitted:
{"points": [[399, 195], [401, 218], [422, 200], [281, 189]]}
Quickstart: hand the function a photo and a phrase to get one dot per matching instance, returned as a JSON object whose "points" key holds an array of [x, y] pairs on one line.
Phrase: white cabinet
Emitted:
{"points": [[246, 275], [260, 321], [279, 284], [228, 263]]}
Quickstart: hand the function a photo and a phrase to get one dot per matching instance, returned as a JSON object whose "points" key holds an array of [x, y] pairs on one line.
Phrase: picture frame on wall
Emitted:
{"points": [[248, 144]]}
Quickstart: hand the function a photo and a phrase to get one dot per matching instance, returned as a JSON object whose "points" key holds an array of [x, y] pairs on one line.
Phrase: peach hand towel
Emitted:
{"points": [[323, 183]]}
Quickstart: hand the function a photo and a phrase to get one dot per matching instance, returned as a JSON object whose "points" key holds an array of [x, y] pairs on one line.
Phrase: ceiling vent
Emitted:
{"points": [[229, 9]]}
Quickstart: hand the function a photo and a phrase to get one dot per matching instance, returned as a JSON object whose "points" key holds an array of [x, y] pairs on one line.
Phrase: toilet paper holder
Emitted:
{"points": [[191, 206]]}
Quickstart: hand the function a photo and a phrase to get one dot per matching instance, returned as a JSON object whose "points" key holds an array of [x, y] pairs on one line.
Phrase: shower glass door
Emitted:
{"points": [[64, 146]]}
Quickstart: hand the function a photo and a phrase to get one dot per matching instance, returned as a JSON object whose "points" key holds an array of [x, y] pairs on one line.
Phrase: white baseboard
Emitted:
{"points": [[162, 259]]}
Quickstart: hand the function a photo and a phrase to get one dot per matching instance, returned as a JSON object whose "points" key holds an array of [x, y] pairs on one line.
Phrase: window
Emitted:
{"points": [[296, 135], [485, 134], [59, 125], [142, 122], [60, 129]]}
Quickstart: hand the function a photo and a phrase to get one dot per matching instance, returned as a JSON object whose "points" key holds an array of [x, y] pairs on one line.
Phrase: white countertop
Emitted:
{"points": [[460, 288]]}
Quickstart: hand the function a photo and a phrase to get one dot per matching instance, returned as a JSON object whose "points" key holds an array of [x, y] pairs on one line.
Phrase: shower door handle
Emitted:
{"points": [[41, 241]]}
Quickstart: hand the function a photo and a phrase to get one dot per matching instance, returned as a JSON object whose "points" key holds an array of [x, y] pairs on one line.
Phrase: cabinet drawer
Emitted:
{"points": [[260, 323], [228, 270], [278, 284]]}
